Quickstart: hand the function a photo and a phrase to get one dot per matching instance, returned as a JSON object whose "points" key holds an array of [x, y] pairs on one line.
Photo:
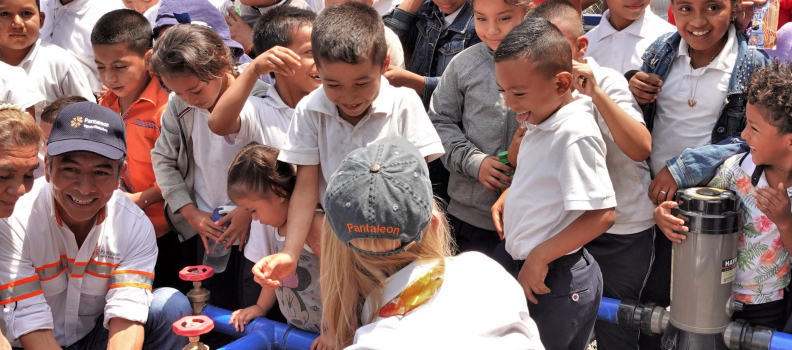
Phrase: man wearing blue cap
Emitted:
{"points": [[77, 256]]}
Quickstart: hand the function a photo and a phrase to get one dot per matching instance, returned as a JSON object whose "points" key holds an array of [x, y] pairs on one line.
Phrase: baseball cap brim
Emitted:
{"points": [[57, 148]]}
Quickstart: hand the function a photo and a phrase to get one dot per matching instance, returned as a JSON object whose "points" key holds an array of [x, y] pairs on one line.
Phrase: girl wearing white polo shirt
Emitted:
{"points": [[691, 91], [388, 278]]}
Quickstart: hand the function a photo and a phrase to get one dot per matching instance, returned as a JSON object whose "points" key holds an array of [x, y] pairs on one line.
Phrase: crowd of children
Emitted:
{"points": [[470, 174]]}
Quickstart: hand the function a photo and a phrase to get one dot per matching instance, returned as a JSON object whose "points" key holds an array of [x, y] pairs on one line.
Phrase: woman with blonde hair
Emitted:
{"points": [[388, 278]]}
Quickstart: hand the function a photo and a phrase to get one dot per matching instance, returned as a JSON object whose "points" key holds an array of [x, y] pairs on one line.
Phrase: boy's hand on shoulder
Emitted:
{"points": [[532, 276], [774, 203], [241, 317], [491, 174], [645, 87], [400, 77], [272, 269], [239, 228], [278, 60], [668, 223], [583, 79], [240, 30], [663, 187], [514, 146]]}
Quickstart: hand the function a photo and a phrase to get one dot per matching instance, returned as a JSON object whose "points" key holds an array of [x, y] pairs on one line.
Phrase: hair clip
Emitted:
{"points": [[13, 107]]}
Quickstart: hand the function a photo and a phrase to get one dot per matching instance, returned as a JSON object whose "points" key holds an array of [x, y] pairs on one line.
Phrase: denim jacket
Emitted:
{"points": [[423, 30], [696, 167]]}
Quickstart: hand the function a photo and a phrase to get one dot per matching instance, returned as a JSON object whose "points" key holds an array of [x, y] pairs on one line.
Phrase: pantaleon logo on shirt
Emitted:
{"points": [[373, 229]]}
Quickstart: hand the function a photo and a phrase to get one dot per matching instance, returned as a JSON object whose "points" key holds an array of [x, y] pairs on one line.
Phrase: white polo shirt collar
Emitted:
{"points": [[725, 60], [552, 122], [383, 104], [32, 53], [637, 27], [78, 7]]}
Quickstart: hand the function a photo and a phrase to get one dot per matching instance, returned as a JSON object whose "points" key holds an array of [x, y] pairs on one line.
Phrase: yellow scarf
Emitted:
{"points": [[416, 293]]}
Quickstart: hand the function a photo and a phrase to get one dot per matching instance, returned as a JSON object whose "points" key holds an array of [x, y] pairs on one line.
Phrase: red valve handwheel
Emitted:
{"points": [[193, 326], [196, 273]]}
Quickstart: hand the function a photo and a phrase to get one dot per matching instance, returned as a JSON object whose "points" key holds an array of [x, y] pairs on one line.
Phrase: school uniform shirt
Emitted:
{"points": [[622, 50], [55, 73], [212, 156], [448, 320], [319, 136], [266, 121], [561, 173], [630, 179], [69, 26], [762, 260], [143, 124], [48, 282], [679, 126], [16, 88]]}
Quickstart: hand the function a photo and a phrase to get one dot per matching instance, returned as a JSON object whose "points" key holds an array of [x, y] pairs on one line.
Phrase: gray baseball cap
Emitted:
{"points": [[381, 191]]}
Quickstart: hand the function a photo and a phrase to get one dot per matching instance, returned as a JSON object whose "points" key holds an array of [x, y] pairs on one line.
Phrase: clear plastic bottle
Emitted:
{"points": [[217, 257]]}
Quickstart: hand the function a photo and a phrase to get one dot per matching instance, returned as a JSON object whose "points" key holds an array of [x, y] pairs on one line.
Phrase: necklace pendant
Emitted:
{"points": [[692, 102]]}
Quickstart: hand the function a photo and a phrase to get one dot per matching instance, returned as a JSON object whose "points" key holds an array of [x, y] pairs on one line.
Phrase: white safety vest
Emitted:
{"points": [[47, 282]]}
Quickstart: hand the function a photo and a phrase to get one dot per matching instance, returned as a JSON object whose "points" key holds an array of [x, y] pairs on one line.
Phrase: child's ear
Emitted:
{"points": [[41, 19], [385, 64], [563, 82], [436, 219], [788, 141], [147, 55], [582, 45]]}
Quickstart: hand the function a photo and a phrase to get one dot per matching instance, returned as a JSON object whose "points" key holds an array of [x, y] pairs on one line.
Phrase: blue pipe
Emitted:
{"points": [[781, 341], [275, 335], [608, 310]]}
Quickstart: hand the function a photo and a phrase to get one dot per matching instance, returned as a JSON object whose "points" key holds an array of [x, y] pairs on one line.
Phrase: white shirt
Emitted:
{"points": [[561, 173], [16, 88], [151, 13], [65, 288], [318, 135], [212, 156], [622, 50], [69, 26], [267, 126], [678, 126], [449, 18], [630, 179], [55, 73], [443, 322]]}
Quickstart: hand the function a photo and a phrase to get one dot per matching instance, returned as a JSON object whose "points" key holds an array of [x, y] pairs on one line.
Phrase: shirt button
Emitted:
{"points": [[721, 129]]}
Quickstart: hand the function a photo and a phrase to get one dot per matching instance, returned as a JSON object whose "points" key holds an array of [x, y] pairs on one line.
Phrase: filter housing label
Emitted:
{"points": [[728, 271]]}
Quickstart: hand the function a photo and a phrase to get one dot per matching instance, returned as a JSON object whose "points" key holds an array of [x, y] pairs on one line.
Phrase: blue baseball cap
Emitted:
{"points": [[381, 191], [89, 127]]}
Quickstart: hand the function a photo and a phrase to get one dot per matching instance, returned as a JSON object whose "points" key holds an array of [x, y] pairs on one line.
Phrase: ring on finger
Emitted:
{"points": [[663, 192]]}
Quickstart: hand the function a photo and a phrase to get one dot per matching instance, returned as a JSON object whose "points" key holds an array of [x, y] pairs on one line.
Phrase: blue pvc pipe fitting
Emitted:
{"points": [[608, 310], [781, 341], [277, 335], [253, 341]]}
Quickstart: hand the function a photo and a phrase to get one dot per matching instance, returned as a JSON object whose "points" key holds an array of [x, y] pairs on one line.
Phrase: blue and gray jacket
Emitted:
{"points": [[432, 46], [695, 167]]}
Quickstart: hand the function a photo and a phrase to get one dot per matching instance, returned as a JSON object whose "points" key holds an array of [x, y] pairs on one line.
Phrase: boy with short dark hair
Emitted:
{"points": [[121, 41], [561, 197], [53, 71], [354, 107]]}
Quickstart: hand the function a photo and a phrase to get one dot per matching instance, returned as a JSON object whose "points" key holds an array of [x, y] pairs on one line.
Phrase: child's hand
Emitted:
{"points": [[645, 87], [774, 203], [272, 269], [242, 317], [240, 30], [278, 60], [583, 79], [400, 77], [514, 146], [532, 276], [668, 223], [322, 342], [239, 228], [491, 174], [202, 223], [663, 187], [497, 214]]}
